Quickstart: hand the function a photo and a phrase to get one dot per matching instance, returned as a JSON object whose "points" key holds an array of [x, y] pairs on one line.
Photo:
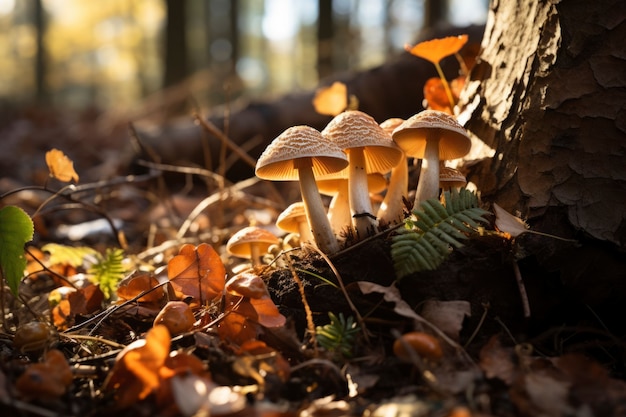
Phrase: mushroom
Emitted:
{"points": [[391, 209], [293, 219], [250, 242], [431, 135], [177, 316], [423, 344], [369, 149], [450, 178], [336, 185], [302, 153]]}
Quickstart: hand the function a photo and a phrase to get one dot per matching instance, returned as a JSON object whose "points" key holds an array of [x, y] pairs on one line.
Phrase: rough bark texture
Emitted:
{"points": [[549, 96]]}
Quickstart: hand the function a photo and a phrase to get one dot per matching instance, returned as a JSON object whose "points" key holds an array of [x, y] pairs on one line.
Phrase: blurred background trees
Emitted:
{"points": [[115, 54]]}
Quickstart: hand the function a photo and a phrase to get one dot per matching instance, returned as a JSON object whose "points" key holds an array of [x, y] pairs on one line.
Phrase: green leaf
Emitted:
{"points": [[70, 255], [436, 229], [109, 271], [16, 228]]}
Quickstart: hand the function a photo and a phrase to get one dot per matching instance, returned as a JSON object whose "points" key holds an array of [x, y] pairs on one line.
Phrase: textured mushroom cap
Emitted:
{"points": [[247, 284], [411, 135], [239, 243], [291, 217], [279, 161], [390, 125], [355, 129], [376, 182], [450, 177]]}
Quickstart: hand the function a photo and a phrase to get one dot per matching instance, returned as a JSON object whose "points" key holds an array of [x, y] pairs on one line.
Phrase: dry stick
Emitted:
{"points": [[307, 308], [211, 128], [359, 318], [522, 290]]}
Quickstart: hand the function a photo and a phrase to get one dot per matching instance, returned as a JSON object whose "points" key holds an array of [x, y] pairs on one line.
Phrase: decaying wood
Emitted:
{"points": [[548, 95]]}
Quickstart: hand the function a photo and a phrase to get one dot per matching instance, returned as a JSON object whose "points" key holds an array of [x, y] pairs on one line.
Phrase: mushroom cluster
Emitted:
{"points": [[346, 159]]}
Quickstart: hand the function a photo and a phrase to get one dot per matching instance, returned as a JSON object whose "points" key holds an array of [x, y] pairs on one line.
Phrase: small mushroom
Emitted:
{"points": [[301, 153], [450, 178], [293, 219], [421, 343], [176, 316], [431, 135], [336, 185], [370, 149], [251, 242], [391, 209]]}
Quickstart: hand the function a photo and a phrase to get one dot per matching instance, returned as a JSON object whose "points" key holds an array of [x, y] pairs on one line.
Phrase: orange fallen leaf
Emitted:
{"points": [[48, 379], [139, 367], [60, 166], [197, 272], [436, 49], [331, 100], [137, 283]]}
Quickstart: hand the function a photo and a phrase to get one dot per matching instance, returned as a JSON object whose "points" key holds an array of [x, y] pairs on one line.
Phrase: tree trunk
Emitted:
{"points": [[548, 95], [175, 43]]}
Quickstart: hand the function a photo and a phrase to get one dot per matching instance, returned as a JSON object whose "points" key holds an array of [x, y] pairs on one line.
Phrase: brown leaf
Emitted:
{"points": [[436, 49], [497, 361], [60, 166], [447, 315], [137, 283], [508, 223], [138, 368], [48, 379], [197, 272]]}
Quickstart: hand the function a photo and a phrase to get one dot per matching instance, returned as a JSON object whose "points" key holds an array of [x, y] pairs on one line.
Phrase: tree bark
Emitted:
{"points": [[548, 95]]}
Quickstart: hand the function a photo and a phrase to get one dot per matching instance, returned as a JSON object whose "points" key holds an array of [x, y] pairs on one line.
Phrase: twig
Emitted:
{"points": [[211, 128], [522, 290], [307, 308]]}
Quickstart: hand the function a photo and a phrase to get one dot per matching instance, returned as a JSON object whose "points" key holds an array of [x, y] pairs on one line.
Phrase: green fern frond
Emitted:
{"points": [[435, 231], [108, 271], [339, 335]]}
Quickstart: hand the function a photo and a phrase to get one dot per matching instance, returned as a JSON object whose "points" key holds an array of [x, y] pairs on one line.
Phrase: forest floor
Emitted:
{"points": [[484, 352]]}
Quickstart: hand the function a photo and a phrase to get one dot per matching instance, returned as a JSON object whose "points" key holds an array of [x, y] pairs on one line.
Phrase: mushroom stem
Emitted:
{"points": [[360, 204], [428, 186], [255, 254], [339, 209], [390, 209], [314, 207]]}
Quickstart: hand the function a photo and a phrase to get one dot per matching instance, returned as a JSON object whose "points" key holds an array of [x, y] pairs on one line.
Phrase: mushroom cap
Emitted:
{"points": [[239, 243], [355, 129], [329, 185], [450, 177], [279, 161], [411, 135], [390, 124], [289, 219], [247, 284]]}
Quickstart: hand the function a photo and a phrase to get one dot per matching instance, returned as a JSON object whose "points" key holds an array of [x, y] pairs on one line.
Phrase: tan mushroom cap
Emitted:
{"points": [[279, 161], [451, 178], [329, 185], [240, 243], [290, 219], [390, 124], [411, 135], [355, 129]]}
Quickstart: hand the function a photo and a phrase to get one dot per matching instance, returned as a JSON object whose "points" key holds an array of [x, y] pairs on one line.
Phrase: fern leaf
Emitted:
{"points": [[108, 271], [436, 230], [70, 255]]}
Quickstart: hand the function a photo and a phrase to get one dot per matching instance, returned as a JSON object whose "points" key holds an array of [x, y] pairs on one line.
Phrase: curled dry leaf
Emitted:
{"points": [[508, 223], [139, 368], [331, 100], [436, 49], [60, 166], [83, 301], [48, 379], [137, 283], [197, 272]]}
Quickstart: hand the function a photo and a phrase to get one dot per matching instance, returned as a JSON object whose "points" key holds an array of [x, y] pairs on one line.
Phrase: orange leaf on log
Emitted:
{"points": [[436, 49], [197, 272]]}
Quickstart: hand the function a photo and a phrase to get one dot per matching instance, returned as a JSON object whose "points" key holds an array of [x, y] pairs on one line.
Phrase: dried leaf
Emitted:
{"points": [[48, 379], [331, 100], [497, 361], [436, 49], [60, 166], [447, 315], [197, 272], [508, 223], [138, 368], [137, 283]]}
